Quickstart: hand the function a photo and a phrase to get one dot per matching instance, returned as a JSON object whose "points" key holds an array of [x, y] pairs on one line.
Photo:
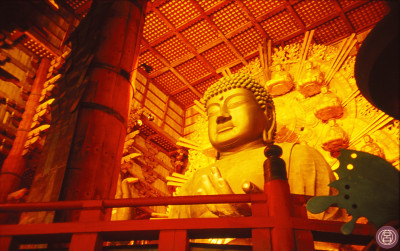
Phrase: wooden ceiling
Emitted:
{"points": [[189, 42]]}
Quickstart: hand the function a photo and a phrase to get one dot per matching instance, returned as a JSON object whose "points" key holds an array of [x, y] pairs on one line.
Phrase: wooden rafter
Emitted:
{"points": [[196, 82], [252, 19], [172, 69], [220, 33], [271, 13], [84, 7], [295, 15], [190, 47], [343, 16], [183, 39], [35, 36]]}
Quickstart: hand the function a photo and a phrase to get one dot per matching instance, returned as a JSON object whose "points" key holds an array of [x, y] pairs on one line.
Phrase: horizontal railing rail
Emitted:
{"points": [[160, 229], [136, 202]]}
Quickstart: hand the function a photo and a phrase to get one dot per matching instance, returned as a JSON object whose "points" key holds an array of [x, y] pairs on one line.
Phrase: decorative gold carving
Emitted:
{"points": [[281, 81], [304, 119], [335, 139], [329, 106], [179, 159], [372, 147], [311, 80]]}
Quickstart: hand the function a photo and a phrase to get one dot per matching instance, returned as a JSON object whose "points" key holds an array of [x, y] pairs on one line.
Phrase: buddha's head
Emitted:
{"points": [[240, 113]]}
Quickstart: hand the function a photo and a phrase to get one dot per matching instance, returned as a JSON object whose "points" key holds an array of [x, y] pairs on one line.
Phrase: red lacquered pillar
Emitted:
{"points": [[279, 203], [14, 164], [96, 151]]}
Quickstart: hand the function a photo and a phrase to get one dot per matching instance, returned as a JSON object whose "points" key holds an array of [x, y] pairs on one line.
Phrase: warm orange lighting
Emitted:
{"points": [[53, 4]]}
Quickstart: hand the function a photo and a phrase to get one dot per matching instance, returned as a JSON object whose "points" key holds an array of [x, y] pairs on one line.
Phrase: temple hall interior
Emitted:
{"points": [[104, 122]]}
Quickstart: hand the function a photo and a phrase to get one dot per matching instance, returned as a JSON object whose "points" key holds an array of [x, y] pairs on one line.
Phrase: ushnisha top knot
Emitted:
{"points": [[239, 80]]}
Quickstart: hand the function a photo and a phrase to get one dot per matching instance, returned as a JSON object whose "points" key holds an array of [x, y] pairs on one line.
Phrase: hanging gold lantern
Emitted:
{"points": [[281, 81], [328, 106], [311, 81], [334, 139]]}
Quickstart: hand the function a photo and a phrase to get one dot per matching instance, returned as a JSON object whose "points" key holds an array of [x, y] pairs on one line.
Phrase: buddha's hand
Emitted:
{"points": [[213, 184]]}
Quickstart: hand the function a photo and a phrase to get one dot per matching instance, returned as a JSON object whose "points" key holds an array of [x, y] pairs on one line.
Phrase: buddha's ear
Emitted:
{"points": [[270, 128]]}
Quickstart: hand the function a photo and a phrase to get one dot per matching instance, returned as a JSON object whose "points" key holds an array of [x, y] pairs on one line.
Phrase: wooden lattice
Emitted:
{"points": [[149, 59], [186, 97], [219, 55], [154, 27], [260, 8], [363, 16], [337, 28], [179, 12], [247, 41], [192, 70], [280, 25], [312, 11], [206, 5], [202, 87], [172, 49], [165, 144], [229, 18], [194, 34], [169, 82], [37, 49]]}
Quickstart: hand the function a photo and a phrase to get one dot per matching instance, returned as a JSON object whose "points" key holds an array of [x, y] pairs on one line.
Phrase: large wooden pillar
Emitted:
{"points": [[96, 151], [14, 165]]}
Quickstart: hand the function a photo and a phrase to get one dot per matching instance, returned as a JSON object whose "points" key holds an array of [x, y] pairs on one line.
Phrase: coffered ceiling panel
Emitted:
{"points": [[188, 43]]}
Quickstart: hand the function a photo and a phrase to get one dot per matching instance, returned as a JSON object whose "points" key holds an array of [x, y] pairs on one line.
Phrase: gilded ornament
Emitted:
{"points": [[328, 106], [335, 139], [281, 81], [311, 80]]}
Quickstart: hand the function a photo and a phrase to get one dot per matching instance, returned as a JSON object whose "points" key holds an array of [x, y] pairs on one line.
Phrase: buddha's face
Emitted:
{"points": [[234, 119]]}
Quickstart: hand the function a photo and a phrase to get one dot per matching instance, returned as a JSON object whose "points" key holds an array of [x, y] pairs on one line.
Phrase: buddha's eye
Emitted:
{"points": [[213, 110], [237, 101]]}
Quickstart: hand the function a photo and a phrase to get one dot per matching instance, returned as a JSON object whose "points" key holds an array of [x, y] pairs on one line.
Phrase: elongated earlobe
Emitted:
{"points": [[270, 129]]}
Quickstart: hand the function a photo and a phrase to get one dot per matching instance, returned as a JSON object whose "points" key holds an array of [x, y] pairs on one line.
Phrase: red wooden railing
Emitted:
{"points": [[89, 232]]}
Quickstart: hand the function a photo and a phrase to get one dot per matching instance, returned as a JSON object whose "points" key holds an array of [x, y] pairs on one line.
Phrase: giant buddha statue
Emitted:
{"points": [[241, 122]]}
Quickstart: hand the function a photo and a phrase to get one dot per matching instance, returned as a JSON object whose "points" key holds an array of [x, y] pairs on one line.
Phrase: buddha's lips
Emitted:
{"points": [[224, 127]]}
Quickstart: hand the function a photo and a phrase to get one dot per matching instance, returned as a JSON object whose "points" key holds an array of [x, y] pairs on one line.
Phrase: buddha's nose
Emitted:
{"points": [[223, 118]]}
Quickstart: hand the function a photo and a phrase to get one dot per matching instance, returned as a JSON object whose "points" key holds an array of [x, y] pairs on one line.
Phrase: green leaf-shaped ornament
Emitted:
{"points": [[368, 186]]}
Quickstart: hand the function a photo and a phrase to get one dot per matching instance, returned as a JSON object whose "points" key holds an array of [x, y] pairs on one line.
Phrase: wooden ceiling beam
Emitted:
{"points": [[84, 7], [182, 38], [190, 47], [174, 64], [271, 13], [204, 78], [220, 33], [343, 16], [175, 72], [217, 7], [181, 78], [296, 17], [252, 19], [35, 36], [183, 27]]}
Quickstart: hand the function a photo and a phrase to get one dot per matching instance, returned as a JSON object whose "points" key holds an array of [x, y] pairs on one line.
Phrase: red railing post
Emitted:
{"points": [[304, 238], [7, 243], [173, 240], [261, 237], [89, 241], [279, 203]]}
